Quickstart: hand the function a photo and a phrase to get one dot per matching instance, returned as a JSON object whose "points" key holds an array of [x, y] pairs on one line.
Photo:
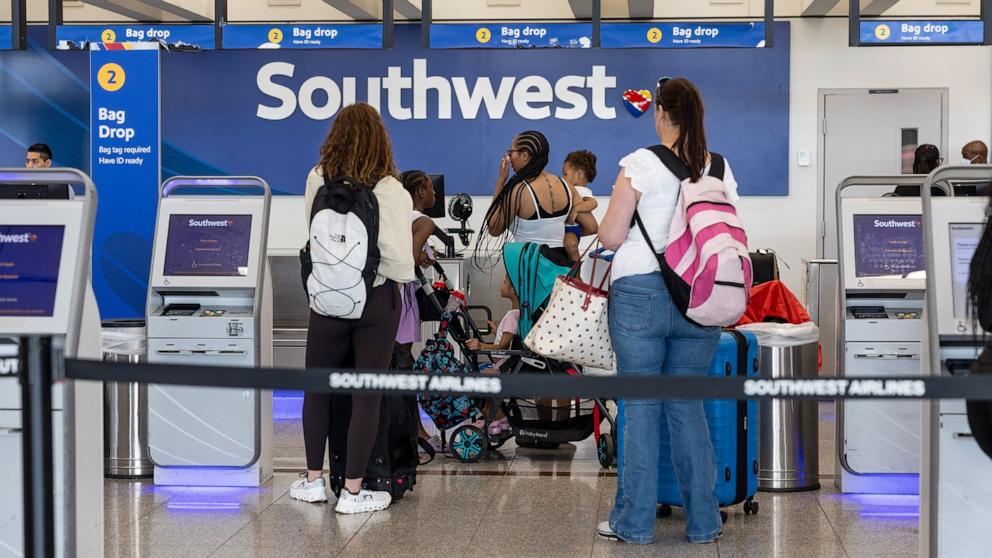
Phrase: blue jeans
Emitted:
{"points": [[651, 337]]}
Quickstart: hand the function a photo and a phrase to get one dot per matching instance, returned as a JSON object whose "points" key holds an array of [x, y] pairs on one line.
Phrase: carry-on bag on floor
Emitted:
{"points": [[733, 427], [393, 465]]}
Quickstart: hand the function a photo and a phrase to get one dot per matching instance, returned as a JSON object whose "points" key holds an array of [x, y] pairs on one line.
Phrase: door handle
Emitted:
{"points": [[963, 436]]}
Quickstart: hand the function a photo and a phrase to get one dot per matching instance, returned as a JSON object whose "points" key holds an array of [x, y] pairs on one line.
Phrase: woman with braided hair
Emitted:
{"points": [[533, 205]]}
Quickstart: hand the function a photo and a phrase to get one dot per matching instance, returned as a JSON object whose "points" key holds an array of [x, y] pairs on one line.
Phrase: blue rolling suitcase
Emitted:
{"points": [[733, 427]]}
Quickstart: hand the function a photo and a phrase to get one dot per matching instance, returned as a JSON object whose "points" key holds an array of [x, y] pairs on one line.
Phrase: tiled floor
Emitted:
{"points": [[519, 503]]}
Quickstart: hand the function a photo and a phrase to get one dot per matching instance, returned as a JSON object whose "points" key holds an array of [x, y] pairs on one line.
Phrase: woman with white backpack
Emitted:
{"points": [[357, 153], [651, 335]]}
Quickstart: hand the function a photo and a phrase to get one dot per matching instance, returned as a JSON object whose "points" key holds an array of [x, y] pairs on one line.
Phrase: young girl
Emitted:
{"points": [[421, 189], [579, 170], [507, 330]]}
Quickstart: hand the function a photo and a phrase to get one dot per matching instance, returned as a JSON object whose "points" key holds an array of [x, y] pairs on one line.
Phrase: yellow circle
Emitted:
{"points": [[275, 36], [108, 36], [110, 77], [654, 35], [483, 35], [882, 32]]}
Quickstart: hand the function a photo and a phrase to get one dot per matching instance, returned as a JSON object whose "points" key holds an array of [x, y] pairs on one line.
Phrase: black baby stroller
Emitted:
{"points": [[534, 423]]}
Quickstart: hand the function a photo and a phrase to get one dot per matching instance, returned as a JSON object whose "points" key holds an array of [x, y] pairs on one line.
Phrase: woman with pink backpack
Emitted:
{"points": [[649, 327]]}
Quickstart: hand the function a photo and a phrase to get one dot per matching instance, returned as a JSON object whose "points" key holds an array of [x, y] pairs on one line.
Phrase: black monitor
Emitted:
{"points": [[437, 211], [34, 191]]}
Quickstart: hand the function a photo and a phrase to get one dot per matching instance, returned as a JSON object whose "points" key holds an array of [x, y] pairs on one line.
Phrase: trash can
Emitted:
{"points": [[125, 404], [789, 435]]}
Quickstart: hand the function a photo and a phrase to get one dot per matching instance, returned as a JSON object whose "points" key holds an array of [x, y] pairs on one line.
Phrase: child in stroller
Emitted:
{"points": [[533, 423], [506, 332]]}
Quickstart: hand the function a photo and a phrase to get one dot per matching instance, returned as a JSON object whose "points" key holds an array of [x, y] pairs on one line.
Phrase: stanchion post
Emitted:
{"points": [[36, 417]]}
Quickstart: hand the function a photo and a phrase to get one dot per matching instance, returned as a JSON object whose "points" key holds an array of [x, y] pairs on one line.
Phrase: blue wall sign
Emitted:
{"points": [[931, 32], [124, 156], [191, 35], [6, 37], [685, 34], [354, 35], [511, 35], [266, 112]]}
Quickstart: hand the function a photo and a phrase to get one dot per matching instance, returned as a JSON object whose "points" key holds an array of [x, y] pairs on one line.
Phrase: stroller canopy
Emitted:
{"points": [[532, 270]]}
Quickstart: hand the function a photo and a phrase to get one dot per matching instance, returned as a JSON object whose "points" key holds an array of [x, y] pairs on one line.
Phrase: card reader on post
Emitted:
{"points": [[204, 308]]}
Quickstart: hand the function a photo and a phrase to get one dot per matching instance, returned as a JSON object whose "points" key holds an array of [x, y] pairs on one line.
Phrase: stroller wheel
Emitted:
{"points": [[469, 443], [607, 450]]}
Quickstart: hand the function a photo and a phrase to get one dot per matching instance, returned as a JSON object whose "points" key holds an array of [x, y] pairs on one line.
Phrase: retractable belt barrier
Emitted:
{"points": [[529, 385]]}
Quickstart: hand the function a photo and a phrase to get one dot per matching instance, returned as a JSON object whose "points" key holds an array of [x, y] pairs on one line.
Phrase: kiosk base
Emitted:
{"points": [[905, 484], [253, 476]]}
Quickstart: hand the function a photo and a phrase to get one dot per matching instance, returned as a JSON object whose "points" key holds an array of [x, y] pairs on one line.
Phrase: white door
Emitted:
{"points": [[873, 132]]}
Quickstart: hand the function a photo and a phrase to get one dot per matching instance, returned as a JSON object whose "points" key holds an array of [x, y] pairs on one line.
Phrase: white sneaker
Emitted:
{"points": [[308, 491], [605, 532], [363, 502]]}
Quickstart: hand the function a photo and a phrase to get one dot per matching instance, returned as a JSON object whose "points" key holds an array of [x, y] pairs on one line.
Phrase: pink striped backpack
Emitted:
{"points": [[705, 265]]}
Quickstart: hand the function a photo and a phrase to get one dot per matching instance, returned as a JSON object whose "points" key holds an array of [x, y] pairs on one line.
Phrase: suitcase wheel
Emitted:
{"points": [[664, 510], [469, 443], [750, 507], [607, 450], [723, 517]]}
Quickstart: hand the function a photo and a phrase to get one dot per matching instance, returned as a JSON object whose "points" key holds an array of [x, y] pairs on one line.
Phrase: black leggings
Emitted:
{"points": [[330, 341]]}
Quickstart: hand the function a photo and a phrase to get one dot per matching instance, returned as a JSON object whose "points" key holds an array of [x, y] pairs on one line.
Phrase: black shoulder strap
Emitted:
{"points": [[647, 239], [680, 169], [672, 161], [717, 166]]}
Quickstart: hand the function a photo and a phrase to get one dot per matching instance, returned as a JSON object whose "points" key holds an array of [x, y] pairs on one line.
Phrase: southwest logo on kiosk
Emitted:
{"points": [[637, 102], [23, 238]]}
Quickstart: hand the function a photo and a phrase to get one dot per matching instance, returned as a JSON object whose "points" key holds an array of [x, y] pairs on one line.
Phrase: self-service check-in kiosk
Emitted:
{"points": [[45, 292], [956, 476], [882, 269], [204, 308]]}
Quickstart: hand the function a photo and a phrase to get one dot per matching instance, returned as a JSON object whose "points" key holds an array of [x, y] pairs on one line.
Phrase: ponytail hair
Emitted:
{"points": [[925, 159], [980, 277], [684, 105]]}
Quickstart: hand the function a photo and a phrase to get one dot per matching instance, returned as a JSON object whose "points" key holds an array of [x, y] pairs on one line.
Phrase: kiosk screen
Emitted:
{"points": [[208, 245], [964, 241], [30, 256], [888, 245]]}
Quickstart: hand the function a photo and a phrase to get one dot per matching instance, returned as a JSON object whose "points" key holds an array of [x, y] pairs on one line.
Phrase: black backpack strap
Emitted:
{"points": [[671, 161], [680, 169], [717, 166], [647, 239]]}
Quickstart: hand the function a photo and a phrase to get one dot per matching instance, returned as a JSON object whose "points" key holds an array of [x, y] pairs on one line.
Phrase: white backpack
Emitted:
{"points": [[341, 258]]}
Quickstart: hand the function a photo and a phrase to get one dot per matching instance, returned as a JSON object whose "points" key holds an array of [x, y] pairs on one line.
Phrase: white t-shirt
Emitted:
{"points": [[583, 192], [659, 190], [509, 324]]}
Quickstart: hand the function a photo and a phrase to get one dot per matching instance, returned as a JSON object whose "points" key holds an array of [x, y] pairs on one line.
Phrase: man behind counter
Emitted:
{"points": [[39, 157]]}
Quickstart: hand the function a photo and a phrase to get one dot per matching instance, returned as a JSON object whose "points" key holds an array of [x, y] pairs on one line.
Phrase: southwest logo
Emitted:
{"points": [[23, 238], [637, 102]]}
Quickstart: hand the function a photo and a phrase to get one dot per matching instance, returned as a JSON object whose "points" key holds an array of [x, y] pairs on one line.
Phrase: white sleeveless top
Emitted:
{"points": [[543, 228]]}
